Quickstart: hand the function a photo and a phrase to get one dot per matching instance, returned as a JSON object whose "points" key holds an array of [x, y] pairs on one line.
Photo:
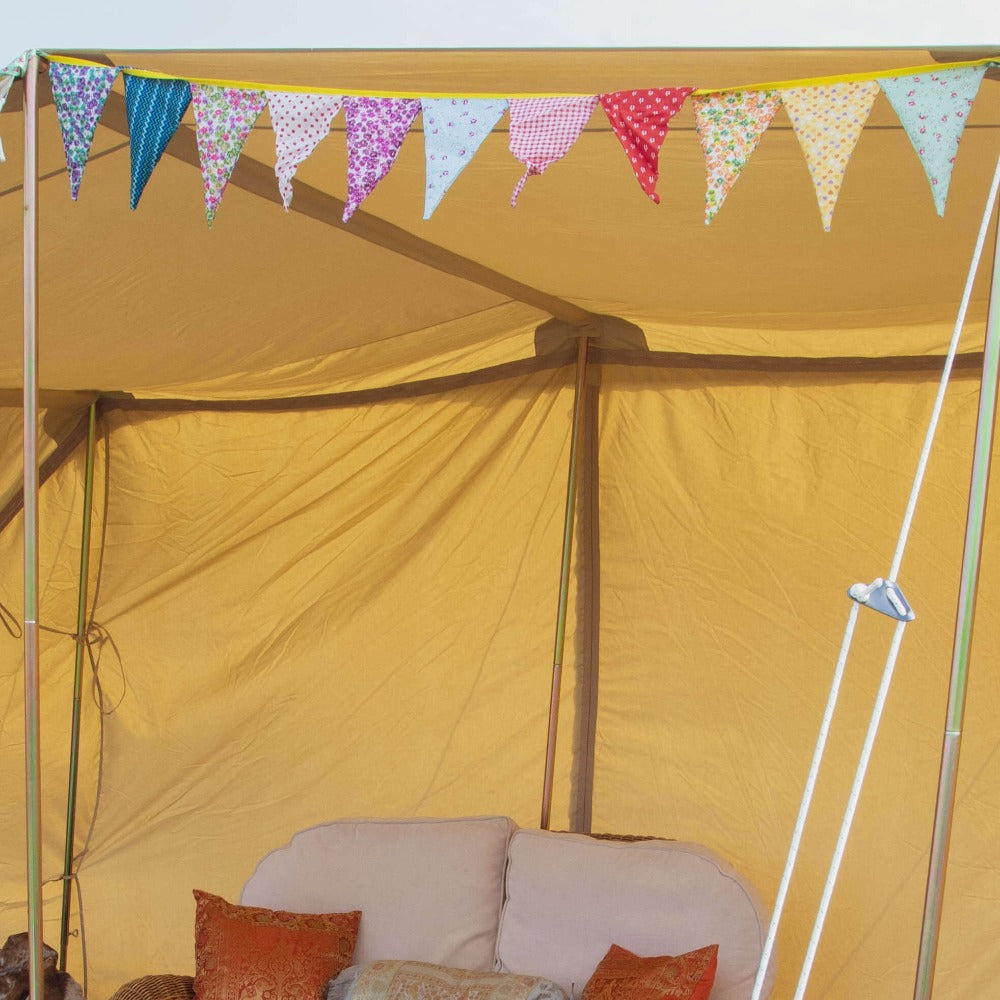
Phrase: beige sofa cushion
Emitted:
{"points": [[570, 897], [428, 890]]}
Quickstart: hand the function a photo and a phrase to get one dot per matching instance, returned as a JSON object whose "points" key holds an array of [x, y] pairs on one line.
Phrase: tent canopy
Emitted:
{"points": [[331, 477]]}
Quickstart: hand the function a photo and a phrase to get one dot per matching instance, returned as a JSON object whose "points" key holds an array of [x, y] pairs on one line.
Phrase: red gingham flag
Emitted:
{"points": [[640, 119], [543, 128]]}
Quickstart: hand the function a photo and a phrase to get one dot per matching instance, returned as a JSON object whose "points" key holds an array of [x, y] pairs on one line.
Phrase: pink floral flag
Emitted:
{"points": [[542, 130], [300, 122], [223, 118], [730, 124], [376, 128], [828, 121], [641, 119], [933, 109]]}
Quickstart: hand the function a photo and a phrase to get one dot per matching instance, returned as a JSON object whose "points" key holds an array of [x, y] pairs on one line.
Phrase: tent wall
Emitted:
{"points": [[350, 611]]}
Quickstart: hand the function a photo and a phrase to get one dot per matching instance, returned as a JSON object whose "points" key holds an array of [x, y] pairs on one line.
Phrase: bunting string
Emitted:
{"points": [[827, 114]]}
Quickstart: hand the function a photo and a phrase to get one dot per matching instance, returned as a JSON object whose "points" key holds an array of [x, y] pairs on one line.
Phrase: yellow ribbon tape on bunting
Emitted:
{"points": [[780, 85], [823, 81]]}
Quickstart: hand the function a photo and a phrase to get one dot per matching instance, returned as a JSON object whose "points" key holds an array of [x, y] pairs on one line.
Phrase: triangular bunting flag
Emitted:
{"points": [[19, 66], [79, 93], [933, 109], [5, 84], [154, 109], [454, 128], [223, 117], [542, 129], [828, 122], [376, 128], [640, 119], [730, 124], [300, 123]]}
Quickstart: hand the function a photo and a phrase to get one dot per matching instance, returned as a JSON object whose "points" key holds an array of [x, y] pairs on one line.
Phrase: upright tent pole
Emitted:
{"points": [[567, 552], [32, 768], [945, 807], [74, 744]]}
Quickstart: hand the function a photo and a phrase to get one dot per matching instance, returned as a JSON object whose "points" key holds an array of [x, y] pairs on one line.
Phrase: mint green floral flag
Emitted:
{"points": [[933, 109], [5, 83]]}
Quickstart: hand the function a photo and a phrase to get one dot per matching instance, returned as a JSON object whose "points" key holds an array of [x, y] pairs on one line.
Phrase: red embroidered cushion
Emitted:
{"points": [[251, 953], [624, 976]]}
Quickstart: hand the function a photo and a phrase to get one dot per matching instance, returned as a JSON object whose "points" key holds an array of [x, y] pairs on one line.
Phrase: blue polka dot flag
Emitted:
{"points": [[154, 109]]}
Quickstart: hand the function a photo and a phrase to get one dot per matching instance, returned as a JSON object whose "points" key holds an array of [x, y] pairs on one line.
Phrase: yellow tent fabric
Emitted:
{"points": [[330, 482]]}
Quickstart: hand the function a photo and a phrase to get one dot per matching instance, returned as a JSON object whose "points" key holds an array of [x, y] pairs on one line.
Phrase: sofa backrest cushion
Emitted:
{"points": [[428, 890], [570, 897]]}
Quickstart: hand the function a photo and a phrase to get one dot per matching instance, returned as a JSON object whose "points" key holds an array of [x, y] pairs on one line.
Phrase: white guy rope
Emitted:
{"points": [[918, 479], [890, 662], [852, 803], [793, 850]]}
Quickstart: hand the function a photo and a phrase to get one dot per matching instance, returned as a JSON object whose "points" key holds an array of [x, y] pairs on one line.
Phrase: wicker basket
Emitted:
{"points": [[162, 987]]}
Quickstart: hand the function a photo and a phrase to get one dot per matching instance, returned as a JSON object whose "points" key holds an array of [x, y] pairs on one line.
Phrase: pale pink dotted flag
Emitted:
{"points": [[828, 122], [300, 122], [542, 129], [641, 119]]}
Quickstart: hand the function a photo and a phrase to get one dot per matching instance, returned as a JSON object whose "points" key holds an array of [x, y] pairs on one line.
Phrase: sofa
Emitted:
{"points": [[479, 893]]}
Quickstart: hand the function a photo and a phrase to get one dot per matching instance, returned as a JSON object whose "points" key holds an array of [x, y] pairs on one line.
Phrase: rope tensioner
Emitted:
{"points": [[883, 596]]}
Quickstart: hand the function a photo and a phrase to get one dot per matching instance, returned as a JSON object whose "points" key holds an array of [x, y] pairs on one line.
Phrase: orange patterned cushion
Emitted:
{"points": [[251, 953], [624, 976]]}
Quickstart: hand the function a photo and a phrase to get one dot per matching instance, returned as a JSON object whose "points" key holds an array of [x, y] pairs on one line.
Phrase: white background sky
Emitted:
{"points": [[148, 24]]}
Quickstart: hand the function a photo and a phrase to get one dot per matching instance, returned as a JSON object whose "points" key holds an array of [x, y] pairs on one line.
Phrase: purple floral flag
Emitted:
{"points": [[80, 93], [376, 128], [223, 118]]}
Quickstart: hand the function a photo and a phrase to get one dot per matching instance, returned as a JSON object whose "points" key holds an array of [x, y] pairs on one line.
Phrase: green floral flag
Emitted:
{"points": [[223, 119], [730, 124]]}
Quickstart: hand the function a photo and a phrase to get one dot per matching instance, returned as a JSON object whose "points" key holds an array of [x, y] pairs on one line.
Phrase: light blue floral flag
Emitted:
{"points": [[933, 109], [454, 128]]}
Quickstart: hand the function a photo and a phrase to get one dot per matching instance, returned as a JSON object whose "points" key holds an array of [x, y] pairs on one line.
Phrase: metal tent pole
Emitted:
{"points": [[32, 767], [567, 552], [945, 807], [81, 639]]}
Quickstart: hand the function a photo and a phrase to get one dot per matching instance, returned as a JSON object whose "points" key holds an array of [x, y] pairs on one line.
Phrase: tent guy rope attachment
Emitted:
{"points": [[877, 596]]}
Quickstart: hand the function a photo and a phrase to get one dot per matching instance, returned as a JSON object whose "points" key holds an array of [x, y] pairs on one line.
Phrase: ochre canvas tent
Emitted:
{"points": [[329, 489]]}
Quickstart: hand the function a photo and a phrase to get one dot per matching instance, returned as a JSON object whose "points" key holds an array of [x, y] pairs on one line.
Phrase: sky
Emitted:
{"points": [[207, 24]]}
